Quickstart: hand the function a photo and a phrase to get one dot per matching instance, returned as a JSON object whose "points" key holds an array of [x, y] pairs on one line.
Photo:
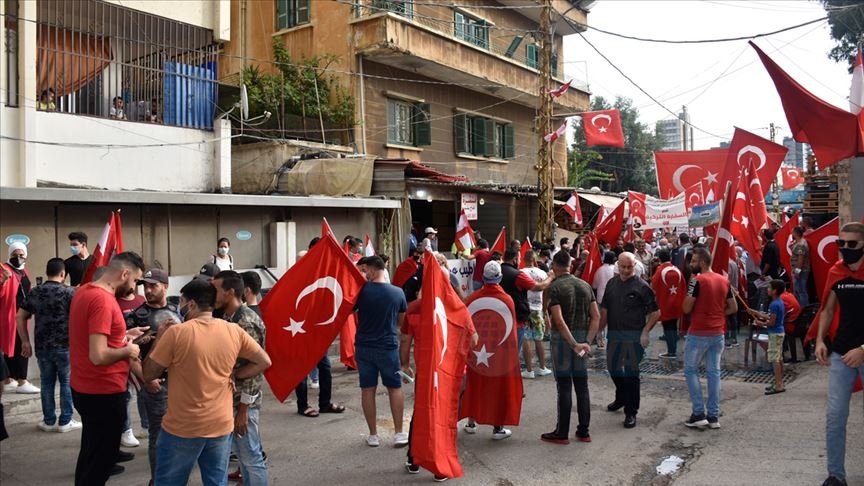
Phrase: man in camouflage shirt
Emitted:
{"points": [[246, 442]]}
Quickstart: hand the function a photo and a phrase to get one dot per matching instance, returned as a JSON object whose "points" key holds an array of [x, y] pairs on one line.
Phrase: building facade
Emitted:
{"points": [[677, 133], [796, 156]]}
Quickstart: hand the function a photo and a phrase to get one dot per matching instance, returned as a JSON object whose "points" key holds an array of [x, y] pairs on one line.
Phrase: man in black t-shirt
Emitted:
{"points": [[76, 265], [846, 354], [770, 264]]}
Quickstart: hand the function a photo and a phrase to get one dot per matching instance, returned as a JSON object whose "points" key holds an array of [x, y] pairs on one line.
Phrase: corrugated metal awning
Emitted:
{"points": [[608, 202]]}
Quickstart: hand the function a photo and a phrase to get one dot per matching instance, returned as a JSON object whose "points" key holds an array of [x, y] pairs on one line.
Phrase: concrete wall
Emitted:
{"points": [[210, 14]]}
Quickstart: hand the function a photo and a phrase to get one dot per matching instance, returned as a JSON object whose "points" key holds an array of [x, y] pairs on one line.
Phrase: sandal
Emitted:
{"points": [[333, 409], [774, 391], [309, 412]]}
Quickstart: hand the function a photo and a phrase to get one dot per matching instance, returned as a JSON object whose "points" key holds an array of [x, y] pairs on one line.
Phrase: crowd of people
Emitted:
{"points": [[196, 368]]}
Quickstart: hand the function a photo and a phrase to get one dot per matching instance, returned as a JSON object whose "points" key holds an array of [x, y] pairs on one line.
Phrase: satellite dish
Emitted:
{"points": [[244, 103]]}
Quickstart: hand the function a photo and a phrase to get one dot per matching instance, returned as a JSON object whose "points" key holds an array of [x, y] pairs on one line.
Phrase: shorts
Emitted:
{"points": [[775, 348], [374, 362], [536, 326], [521, 334]]}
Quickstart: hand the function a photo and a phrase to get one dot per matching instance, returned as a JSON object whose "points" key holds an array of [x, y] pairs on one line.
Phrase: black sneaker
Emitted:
{"points": [[629, 421], [412, 468], [696, 421], [555, 438], [124, 456], [614, 406], [118, 469], [833, 481], [713, 423]]}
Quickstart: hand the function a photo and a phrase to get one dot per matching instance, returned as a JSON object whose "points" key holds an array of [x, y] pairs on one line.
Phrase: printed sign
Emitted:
{"points": [[464, 272], [17, 237], [665, 214], [244, 235], [469, 205], [705, 215]]}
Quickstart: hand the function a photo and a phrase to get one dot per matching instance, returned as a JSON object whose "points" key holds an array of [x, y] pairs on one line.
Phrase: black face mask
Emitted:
{"points": [[15, 261], [695, 270], [850, 256]]}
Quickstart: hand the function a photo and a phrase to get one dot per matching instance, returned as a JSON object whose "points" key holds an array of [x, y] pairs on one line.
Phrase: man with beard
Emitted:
{"points": [[100, 354]]}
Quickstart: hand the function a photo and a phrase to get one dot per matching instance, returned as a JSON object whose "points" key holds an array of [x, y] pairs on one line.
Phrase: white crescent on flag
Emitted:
{"points": [[498, 307], [821, 247], [328, 283], [754, 150], [676, 176]]}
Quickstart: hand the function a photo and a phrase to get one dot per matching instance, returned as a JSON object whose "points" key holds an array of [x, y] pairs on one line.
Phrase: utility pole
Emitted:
{"points": [[545, 189], [775, 188]]}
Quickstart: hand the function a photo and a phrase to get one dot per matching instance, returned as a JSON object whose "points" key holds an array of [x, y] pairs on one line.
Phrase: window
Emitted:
{"points": [[11, 52], [531, 56], [483, 137], [291, 13], [408, 123], [471, 29], [404, 8]]}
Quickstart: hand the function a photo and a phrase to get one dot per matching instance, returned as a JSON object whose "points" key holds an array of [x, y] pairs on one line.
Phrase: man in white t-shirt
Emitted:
{"points": [[537, 322]]}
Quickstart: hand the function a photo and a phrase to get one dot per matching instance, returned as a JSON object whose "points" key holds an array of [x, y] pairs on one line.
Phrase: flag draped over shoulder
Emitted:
{"points": [[823, 253]]}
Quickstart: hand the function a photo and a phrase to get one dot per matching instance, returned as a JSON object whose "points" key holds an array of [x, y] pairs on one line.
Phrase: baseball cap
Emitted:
{"points": [[430, 229], [208, 271], [492, 273], [156, 275]]}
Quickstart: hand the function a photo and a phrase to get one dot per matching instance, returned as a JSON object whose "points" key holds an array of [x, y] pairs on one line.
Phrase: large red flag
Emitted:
{"points": [[823, 252], [670, 288], [749, 214], [746, 149], [526, 245], [464, 233], [493, 391], [637, 208], [110, 244], [442, 342], [783, 238], [574, 209], [792, 178], [595, 260], [609, 230], [500, 244], [693, 196], [305, 311], [603, 128], [723, 243], [834, 134], [676, 171]]}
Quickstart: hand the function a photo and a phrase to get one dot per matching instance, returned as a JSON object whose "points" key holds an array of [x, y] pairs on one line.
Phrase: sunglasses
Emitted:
{"points": [[851, 244]]}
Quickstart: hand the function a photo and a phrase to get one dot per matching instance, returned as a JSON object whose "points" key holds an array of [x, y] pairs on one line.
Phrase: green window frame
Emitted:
{"points": [[404, 8], [471, 29], [532, 58], [291, 13], [483, 137], [408, 123]]}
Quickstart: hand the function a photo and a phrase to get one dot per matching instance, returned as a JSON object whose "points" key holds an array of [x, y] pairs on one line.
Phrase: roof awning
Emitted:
{"points": [[608, 202]]}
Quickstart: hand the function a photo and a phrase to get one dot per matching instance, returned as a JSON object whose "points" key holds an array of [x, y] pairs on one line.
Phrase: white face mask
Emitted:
{"points": [[223, 250]]}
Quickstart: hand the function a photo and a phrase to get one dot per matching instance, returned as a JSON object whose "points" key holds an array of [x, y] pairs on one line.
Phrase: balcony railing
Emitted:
{"points": [[99, 59]]}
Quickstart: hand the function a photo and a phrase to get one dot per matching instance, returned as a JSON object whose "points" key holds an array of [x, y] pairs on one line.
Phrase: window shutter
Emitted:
{"points": [[392, 127], [422, 124], [489, 136], [531, 55], [281, 14], [302, 12], [514, 44], [459, 25], [553, 62], [509, 141], [460, 139], [478, 135]]}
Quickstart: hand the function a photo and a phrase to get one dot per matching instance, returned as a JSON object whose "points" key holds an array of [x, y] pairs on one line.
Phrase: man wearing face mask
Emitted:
{"points": [[76, 265], [100, 353], [843, 352], [14, 289]]}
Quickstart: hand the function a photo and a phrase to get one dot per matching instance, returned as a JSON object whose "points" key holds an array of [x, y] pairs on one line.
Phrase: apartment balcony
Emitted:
{"points": [[438, 50]]}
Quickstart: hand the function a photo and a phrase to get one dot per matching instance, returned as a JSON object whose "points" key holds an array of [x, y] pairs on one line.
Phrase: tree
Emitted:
{"points": [[846, 18], [617, 170]]}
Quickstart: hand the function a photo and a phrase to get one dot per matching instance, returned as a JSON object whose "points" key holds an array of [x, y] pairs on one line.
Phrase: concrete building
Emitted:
{"points": [[797, 155], [677, 133]]}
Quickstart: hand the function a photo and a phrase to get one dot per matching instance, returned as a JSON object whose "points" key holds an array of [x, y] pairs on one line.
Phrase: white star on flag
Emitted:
{"points": [[483, 356], [673, 290], [602, 129], [711, 178], [295, 328]]}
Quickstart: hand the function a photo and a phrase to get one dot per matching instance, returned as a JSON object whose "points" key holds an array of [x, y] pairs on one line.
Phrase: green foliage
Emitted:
{"points": [[614, 169], [846, 18]]}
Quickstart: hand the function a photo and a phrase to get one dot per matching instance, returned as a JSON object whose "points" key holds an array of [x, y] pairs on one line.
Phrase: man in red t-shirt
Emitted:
{"points": [[100, 354], [709, 300], [481, 257], [793, 310]]}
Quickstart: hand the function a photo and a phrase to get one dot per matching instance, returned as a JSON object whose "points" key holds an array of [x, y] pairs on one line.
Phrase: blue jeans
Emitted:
{"points": [[709, 349], [801, 288], [54, 367], [841, 379], [176, 456], [249, 453], [139, 402]]}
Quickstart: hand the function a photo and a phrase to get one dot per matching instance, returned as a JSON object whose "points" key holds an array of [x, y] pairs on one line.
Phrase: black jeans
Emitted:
{"points": [[16, 363], [670, 335], [325, 382], [102, 417], [155, 405], [622, 361], [791, 341], [565, 404]]}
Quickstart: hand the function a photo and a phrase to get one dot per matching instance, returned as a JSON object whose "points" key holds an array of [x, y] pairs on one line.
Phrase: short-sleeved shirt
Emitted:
{"points": [[94, 310], [200, 355], [535, 298], [574, 296], [850, 329], [50, 303], [628, 303], [778, 310], [378, 307], [142, 316], [793, 310], [801, 249], [127, 306], [481, 258], [711, 291], [75, 268]]}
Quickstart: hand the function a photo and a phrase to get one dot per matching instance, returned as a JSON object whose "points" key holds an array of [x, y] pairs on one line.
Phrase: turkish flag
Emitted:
{"points": [[723, 243], [404, 271], [526, 245], [326, 229], [834, 134], [500, 244], [670, 288], [783, 237], [347, 336], [609, 230], [693, 196], [746, 148], [464, 234], [595, 260], [442, 342], [574, 209], [823, 252], [676, 171], [110, 244], [493, 391], [305, 311], [792, 178], [648, 235], [637, 208], [603, 128], [601, 215], [749, 214]]}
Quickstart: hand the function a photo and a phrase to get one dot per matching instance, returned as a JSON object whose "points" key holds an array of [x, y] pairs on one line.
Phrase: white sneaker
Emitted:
{"points": [[314, 385], [72, 425], [11, 386], [373, 441], [47, 428], [128, 439], [143, 434], [470, 428], [501, 434], [27, 388], [528, 374], [401, 439], [544, 372]]}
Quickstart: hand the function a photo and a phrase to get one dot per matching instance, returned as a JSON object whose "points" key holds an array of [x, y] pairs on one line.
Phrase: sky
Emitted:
{"points": [[724, 84]]}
